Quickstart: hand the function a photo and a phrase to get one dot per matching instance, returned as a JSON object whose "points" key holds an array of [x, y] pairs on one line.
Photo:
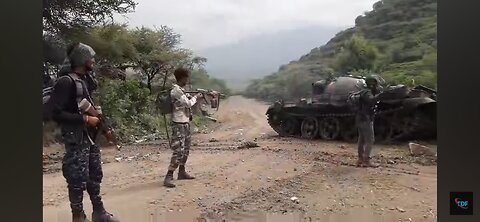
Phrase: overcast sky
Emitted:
{"points": [[207, 23]]}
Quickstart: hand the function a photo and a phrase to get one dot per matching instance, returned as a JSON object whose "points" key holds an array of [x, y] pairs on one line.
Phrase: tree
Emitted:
{"points": [[114, 44], [158, 52], [199, 62], [357, 54], [63, 16]]}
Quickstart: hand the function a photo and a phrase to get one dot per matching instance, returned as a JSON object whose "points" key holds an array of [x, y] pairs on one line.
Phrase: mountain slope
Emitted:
{"points": [[403, 31], [258, 56]]}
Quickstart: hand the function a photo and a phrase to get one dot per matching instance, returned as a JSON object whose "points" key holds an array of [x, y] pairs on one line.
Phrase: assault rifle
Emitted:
{"points": [[209, 92], [103, 126], [212, 94], [214, 103]]}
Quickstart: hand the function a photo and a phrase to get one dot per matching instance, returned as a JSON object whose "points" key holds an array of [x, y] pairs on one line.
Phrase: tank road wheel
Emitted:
{"points": [[382, 129], [289, 127], [284, 126], [425, 125], [309, 128], [402, 127], [350, 135], [349, 131], [329, 128]]}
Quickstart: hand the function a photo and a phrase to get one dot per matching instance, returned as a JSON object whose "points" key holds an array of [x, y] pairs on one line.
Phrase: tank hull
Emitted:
{"points": [[402, 114]]}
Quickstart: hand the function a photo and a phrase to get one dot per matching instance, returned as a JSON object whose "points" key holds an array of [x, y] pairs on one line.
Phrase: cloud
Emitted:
{"points": [[208, 23]]}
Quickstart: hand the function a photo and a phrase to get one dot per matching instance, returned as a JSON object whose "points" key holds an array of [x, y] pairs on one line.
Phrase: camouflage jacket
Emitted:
{"points": [[181, 104]]}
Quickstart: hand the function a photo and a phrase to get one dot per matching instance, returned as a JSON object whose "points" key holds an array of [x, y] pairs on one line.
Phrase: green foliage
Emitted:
{"points": [[63, 16], [114, 43], [292, 81], [158, 52], [129, 106], [397, 39], [430, 62], [408, 73], [427, 78], [152, 53], [356, 54], [200, 79], [155, 45]]}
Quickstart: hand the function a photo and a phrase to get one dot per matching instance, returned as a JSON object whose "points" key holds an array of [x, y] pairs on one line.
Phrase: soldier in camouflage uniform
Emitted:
{"points": [[364, 118], [181, 135], [82, 167]]}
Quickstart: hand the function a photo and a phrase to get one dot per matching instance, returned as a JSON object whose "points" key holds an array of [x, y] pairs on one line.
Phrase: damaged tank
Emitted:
{"points": [[402, 112]]}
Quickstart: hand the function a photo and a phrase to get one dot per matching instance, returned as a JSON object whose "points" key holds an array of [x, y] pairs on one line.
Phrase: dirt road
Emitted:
{"points": [[285, 177]]}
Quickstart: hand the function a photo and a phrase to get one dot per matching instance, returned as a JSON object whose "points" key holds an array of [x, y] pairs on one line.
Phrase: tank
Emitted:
{"points": [[402, 112]]}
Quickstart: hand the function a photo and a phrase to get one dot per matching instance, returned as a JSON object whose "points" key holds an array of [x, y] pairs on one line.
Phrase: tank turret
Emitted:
{"points": [[402, 112]]}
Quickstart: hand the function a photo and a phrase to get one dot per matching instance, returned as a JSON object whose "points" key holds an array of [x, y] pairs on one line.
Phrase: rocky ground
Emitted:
{"points": [[268, 179]]}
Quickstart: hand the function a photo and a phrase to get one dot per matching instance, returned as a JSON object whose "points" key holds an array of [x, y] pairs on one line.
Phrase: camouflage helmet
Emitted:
{"points": [[378, 80], [80, 54]]}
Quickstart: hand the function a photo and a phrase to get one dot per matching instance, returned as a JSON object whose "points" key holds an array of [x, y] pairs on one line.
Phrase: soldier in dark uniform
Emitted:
{"points": [[82, 167], [364, 118]]}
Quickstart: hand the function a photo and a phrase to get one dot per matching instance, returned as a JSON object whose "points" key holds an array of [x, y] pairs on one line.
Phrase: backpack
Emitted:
{"points": [[164, 102], [353, 100], [47, 92]]}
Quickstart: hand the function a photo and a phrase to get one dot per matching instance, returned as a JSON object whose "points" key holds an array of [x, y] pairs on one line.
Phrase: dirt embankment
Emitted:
{"points": [[295, 178]]}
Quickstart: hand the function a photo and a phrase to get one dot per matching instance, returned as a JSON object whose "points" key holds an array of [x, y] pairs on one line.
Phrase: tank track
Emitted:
{"points": [[278, 128], [350, 114]]}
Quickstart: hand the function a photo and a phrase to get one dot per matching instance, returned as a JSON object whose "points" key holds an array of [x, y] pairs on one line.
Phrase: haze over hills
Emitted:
{"points": [[397, 39], [261, 55]]}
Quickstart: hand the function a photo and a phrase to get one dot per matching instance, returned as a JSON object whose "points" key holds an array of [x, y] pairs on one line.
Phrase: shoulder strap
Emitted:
{"points": [[80, 88]]}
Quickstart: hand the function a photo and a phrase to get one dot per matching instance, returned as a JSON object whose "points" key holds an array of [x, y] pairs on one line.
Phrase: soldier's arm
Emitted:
{"points": [[369, 98], [62, 92], [181, 97]]}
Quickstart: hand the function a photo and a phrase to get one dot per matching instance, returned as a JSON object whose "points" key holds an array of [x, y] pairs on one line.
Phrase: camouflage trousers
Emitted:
{"points": [[82, 169], [181, 140], [366, 136]]}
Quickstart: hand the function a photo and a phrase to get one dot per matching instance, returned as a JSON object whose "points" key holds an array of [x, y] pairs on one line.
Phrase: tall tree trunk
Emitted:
{"points": [[149, 83], [165, 80]]}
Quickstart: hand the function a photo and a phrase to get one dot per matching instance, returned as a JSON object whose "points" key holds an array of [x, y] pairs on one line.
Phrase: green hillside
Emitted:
{"points": [[397, 39]]}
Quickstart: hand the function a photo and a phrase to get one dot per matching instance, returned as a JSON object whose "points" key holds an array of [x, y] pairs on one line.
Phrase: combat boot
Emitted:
{"points": [[79, 217], [360, 162], [183, 175], [369, 163], [103, 216], [168, 181]]}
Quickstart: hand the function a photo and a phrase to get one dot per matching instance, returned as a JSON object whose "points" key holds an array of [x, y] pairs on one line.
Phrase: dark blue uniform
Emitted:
{"points": [[82, 166]]}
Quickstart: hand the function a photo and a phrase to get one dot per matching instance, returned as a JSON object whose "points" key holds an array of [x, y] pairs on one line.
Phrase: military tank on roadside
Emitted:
{"points": [[402, 112]]}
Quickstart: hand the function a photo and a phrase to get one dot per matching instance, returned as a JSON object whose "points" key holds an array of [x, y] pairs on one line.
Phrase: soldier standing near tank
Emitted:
{"points": [[364, 119], [81, 166], [181, 134]]}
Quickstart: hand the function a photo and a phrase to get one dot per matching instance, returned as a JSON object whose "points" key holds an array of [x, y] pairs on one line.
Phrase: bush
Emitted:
{"points": [[130, 108]]}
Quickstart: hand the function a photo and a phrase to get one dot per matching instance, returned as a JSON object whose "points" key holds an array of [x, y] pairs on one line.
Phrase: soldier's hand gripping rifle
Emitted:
{"points": [[213, 95], [103, 126]]}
